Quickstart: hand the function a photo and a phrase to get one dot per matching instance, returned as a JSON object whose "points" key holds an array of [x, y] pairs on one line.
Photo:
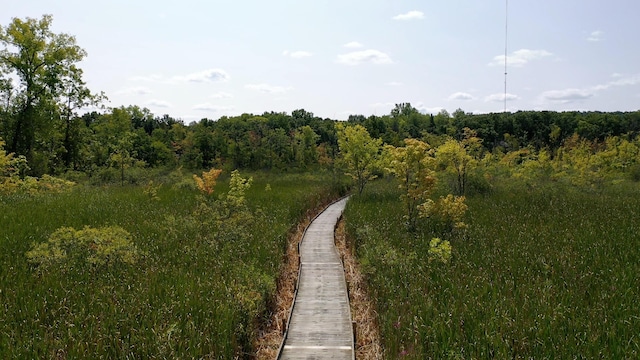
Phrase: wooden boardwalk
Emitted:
{"points": [[320, 323]]}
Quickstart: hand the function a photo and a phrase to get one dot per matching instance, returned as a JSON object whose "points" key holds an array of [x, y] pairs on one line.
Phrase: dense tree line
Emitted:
{"points": [[275, 140], [540, 129], [42, 97]]}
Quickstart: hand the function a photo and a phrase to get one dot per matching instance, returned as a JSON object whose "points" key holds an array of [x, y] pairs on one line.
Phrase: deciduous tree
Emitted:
{"points": [[48, 81], [359, 153], [458, 157], [413, 165]]}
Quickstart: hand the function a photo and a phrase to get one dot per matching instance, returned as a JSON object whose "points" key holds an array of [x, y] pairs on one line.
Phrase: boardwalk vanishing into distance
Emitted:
{"points": [[320, 321]]}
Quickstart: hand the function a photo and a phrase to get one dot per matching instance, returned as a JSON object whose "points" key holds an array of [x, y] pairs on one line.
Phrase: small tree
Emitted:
{"points": [[234, 217], [238, 186], [207, 182], [413, 165], [458, 156], [359, 153], [123, 157]]}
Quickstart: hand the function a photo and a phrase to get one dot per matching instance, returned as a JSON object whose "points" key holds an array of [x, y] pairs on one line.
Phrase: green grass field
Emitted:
{"points": [[189, 296], [550, 272]]}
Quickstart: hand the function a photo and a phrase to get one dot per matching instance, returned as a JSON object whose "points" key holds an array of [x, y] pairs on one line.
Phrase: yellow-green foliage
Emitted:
{"points": [[460, 157], [151, 190], [10, 181], [4, 158], [448, 209], [225, 219], [7, 181], [413, 165], [358, 153], [237, 188], [68, 248], [207, 182], [439, 250], [578, 161], [46, 184]]}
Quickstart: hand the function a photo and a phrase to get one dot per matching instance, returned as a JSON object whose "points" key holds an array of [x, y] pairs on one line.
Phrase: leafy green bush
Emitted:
{"points": [[67, 248], [439, 250]]}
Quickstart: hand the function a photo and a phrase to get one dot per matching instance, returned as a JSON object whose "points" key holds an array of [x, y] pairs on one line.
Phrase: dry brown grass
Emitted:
{"points": [[362, 308]]}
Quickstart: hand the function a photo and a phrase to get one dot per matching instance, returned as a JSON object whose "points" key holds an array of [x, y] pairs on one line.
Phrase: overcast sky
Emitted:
{"points": [[195, 59]]}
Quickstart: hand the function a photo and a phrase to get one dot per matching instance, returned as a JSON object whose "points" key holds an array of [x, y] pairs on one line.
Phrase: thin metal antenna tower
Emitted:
{"points": [[506, 28]]}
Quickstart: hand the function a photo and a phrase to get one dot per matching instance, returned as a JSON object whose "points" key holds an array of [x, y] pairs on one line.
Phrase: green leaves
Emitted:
{"points": [[458, 157], [48, 87], [68, 248], [359, 153], [439, 251], [413, 165]]}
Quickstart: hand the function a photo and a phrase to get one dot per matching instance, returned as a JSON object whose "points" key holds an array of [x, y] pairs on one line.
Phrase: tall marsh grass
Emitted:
{"points": [[184, 298], [549, 272]]}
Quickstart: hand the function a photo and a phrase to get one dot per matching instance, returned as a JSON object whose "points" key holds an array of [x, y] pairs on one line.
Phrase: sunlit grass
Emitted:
{"points": [[185, 298], [545, 273]]}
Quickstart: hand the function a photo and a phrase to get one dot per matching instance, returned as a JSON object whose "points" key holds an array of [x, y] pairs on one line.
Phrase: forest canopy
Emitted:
{"points": [[48, 115]]}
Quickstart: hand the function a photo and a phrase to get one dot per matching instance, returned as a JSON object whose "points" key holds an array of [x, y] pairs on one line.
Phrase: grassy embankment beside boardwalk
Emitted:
{"points": [[190, 294], [544, 272]]}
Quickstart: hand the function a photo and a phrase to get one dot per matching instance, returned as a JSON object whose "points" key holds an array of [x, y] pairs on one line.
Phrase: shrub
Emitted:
{"points": [[67, 248], [449, 210], [439, 250], [151, 190], [207, 182]]}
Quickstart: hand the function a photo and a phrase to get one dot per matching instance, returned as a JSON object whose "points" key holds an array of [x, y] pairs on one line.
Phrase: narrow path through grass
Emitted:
{"points": [[272, 331], [362, 308]]}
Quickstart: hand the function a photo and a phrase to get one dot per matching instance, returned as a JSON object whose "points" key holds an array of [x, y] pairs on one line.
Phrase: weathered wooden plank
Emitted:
{"points": [[320, 325]]}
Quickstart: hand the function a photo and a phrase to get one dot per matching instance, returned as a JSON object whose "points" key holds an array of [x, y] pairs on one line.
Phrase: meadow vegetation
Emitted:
{"points": [[546, 267], [150, 271], [129, 235]]}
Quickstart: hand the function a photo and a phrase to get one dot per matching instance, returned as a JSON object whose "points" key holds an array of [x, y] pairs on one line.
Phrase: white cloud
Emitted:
{"points": [[627, 81], [394, 83], [574, 94], [411, 15], [519, 58], [268, 89], [429, 110], [159, 103], [595, 36], [210, 75], [364, 56], [353, 45], [212, 108], [461, 96], [567, 95], [134, 90], [500, 97], [221, 95], [297, 54], [384, 105]]}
